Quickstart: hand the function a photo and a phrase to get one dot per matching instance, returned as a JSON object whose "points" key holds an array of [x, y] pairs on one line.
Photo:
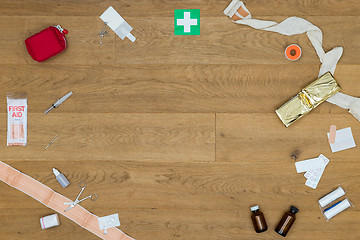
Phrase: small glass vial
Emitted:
{"points": [[286, 222], [258, 220]]}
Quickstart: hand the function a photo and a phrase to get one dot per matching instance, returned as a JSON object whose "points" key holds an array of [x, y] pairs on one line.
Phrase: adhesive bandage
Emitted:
{"points": [[239, 14], [344, 140], [17, 120], [49, 221], [113, 19], [332, 134], [56, 201]]}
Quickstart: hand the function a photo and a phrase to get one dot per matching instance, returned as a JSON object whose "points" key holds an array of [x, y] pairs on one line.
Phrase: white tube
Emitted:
{"points": [[337, 209], [49, 221], [339, 192]]}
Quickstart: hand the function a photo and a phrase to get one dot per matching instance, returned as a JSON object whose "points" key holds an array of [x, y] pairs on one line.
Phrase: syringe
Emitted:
{"points": [[58, 102]]}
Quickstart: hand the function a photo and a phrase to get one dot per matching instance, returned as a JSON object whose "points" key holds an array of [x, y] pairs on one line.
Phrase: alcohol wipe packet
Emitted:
{"points": [[17, 119]]}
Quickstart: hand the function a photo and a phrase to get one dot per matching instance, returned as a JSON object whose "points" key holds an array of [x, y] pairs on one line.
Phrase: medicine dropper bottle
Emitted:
{"points": [[286, 222], [258, 220]]}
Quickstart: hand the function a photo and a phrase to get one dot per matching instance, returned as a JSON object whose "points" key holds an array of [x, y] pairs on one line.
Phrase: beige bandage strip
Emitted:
{"points": [[55, 201], [332, 134]]}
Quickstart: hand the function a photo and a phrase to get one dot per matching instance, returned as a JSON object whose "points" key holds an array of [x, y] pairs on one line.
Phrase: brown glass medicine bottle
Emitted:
{"points": [[258, 220], [286, 222]]}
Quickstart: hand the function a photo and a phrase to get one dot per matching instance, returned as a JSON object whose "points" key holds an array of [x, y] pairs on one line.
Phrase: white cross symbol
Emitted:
{"points": [[187, 22]]}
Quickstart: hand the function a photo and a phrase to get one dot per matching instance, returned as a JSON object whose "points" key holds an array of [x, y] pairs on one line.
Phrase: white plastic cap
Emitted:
{"points": [[254, 208], [56, 172], [131, 37]]}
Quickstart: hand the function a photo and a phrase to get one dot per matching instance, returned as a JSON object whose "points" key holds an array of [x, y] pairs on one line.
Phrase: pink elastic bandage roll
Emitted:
{"points": [[56, 201]]}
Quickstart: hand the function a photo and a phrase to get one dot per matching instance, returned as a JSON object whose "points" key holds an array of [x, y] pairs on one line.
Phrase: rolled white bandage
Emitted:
{"points": [[348, 102], [49, 221], [336, 209], [339, 192]]}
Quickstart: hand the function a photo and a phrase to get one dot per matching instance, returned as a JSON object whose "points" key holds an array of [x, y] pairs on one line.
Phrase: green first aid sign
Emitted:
{"points": [[187, 21]]}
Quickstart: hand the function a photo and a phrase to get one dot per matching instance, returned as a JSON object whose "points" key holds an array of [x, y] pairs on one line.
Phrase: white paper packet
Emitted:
{"points": [[17, 119]]}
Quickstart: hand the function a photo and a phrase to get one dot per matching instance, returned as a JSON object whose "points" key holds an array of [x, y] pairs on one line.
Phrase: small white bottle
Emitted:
{"points": [[61, 178]]}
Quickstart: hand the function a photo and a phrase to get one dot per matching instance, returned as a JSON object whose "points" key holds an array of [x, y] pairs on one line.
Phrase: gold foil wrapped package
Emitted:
{"points": [[308, 99]]}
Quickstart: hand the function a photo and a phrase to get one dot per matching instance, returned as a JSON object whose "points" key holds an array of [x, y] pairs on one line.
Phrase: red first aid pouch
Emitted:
{"points": [[47, 43]]}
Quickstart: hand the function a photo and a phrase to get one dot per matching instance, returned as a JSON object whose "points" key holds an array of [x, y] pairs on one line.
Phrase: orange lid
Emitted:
{"points": [[293, 52]]}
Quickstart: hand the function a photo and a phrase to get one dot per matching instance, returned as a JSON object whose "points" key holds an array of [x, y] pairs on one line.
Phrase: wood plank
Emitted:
{"points": [[156, 43], [177, 134], [185, 200], [258, 137], [91, 136], [168, 88], [191, 225], [224, 42], [202, 186], [165, 8]]}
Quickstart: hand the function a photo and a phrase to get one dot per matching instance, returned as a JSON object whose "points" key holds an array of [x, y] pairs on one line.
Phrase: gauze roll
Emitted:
{"points": [[336, 209], [339, 192], [49, 221], [348, 102]]}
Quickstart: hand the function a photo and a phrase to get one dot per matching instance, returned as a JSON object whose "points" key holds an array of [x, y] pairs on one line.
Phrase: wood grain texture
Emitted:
{"points": [[177, 134], [91, 136], [82, 39], [214, 198], [158, 8], [192, 88], [221, 41], [245, 134], [192, 225]]}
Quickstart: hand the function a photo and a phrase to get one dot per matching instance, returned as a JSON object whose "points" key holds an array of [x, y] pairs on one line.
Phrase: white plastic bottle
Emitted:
{"points": [[61, 178]]}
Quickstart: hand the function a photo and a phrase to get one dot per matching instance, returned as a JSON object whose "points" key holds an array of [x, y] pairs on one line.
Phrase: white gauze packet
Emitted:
{"points": [[17, 120]]}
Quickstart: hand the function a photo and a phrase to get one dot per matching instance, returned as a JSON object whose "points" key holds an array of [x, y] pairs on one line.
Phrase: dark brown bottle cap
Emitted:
{"points": [[293, 209]]}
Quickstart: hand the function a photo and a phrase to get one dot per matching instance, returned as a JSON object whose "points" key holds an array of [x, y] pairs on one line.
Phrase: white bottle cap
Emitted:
{"points": [[254, 208], [56, 172], [131, 37]]}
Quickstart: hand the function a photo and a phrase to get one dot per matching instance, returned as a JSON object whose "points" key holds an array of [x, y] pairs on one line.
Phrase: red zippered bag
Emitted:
{"points": [[47, 43]]}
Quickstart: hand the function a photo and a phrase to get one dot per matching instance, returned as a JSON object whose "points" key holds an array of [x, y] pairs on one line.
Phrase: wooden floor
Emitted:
{"points": [[177, 134]]}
